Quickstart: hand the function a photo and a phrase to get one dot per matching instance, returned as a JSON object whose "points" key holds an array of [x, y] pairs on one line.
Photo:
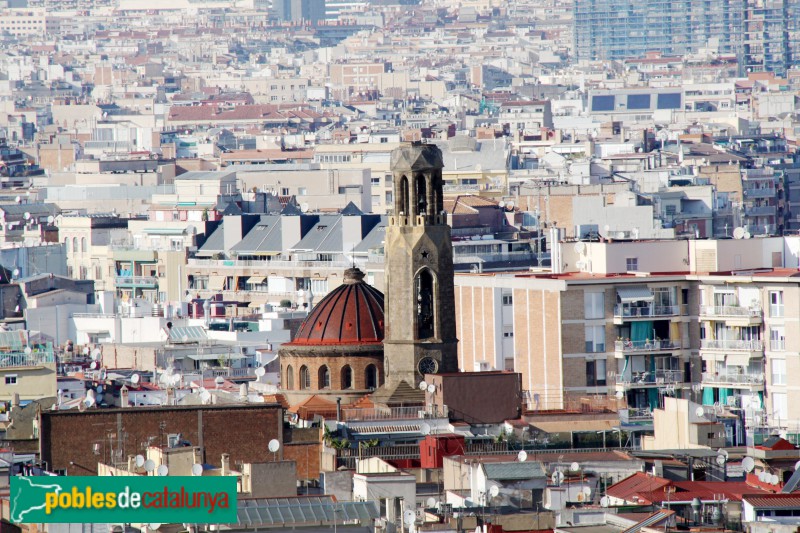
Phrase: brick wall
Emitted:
{"points": [[242, 431], [304, 447]]}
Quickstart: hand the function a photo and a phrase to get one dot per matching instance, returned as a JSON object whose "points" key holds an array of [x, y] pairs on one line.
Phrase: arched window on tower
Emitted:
{"points": [[75, 245], [371, 377], [424, 290], [347, 377], [324, 377], [289, 378], [305, 378], [83, 245], [421, 194], [402, 193]]}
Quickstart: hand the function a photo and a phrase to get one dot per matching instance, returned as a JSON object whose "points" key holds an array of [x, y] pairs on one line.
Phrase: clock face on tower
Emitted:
{"points": [[427, 365]]}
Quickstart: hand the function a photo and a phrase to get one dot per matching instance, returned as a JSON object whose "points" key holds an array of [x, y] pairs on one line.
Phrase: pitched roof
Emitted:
{"points": [[265, 237], [773, 501], [325, 236], [636, 484], [514, 470]]}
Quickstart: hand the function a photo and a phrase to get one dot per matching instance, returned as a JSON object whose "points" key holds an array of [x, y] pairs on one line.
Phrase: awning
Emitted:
{"points": [[216, 283], [712, 356], [637, 293], [568, 427], [255, 280], [737, 359], [213, 356]]}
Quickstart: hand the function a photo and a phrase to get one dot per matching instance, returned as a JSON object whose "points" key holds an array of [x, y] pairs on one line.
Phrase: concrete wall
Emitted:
{"points": [[270, 480], [479, 397]]}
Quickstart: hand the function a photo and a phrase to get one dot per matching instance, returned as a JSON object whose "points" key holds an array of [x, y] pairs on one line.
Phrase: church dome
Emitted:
{"points": [[351, 314]]}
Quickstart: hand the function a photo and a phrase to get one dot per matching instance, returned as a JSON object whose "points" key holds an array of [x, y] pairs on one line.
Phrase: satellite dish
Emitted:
{"points": [[494, 491], [747, 235], [574, 467], [85, 350], [18, 199], [205, 396], [197, 469], [409, 517], [425, 428], [304, 207], [557, 477], [721, 459], [762, 476], [587, 491], [219, 380], [260, 372], [796, 465], [176, 380], [522, 456], [139, 461], [99, 398], [50, 219], [604, 501], [103, 374], [93, 365], [423, 386], [274, 445], [89, 401], [510, 204], [96, 353], [431, 502], [723, 451], [700, 412], [738, 233], [99, 389], [26, 216], [163, 470], [579, 247], [135, 379], [619, 394], [431, 388], [81, 407], [15, 273], [749, 464], [501, 204], [149, 465], [774, 479]]}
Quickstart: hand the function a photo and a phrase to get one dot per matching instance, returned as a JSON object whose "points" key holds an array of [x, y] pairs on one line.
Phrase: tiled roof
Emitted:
{"points": [[636, 484], [773, 501]]}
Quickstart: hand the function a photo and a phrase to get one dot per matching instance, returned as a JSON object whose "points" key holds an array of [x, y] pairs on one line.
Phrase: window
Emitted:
{"points": [[347, 377], [593, 304], [289, 377], [596, 373], [780, 407], [595, 339], [305, 378], [375, 181], [777, 339], [75, 245], [302, 191], [284, 191], [324, 378], [778, 372], [631, 263], [508, 334], [670, 210], [83, 245], [776, 304], [508, 299], [371, 377], [319, 287], [11, 379]]}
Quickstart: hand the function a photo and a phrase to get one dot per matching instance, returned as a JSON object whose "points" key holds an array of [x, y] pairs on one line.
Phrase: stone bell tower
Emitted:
{"points": [[420, 308]]}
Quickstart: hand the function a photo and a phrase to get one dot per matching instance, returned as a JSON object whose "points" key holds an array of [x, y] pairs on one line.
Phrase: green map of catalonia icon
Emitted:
{"points": [[27, 496]]}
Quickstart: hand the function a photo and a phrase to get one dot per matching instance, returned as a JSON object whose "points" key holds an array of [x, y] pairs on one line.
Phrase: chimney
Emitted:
{"points": [[226, 464], [338, 409], [123, 397], [170, 395]]}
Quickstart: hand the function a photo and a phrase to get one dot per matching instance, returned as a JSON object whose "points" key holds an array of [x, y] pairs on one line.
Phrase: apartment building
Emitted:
{"points": [[88, 240]]}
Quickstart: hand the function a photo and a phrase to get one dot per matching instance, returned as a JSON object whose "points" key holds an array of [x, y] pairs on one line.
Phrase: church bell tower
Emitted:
{"points": [[420, 311]]}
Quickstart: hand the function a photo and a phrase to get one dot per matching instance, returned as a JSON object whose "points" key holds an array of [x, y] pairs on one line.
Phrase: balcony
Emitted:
{"points": [[626, 347], [760, 211], [767, 192], [734, 380], [728, 345], [636, 415], [732, 315], [625, 312], [265, 265], [22, 359], [145, 282], [655, 378]]}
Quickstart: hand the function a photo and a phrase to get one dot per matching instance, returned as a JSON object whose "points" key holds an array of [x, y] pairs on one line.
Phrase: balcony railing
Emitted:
{"points": [[393, 413], [238, 263], [760, 211], [733, 379], [777, 345], [652, 377], [730, 310], [760, 193], [635, 414], [646, 345], [136, 281], [751, 345], [22, 359], [627, 311]]}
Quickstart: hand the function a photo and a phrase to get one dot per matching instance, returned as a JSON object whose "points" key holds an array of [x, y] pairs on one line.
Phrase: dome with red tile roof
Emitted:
{"points": [[351, 314]]}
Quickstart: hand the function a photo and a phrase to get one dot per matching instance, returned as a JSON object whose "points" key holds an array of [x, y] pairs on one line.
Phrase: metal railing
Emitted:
{"points": [[136, 280], [777, 345], [226, 372], [759, 193], [93, 315], [393, 413], [627, 311], [635, 414], [747, 345], [651, 377], [489, 257], [768, 210], [22, 359], [237, 263], [730, 310], [732, 378], [646, 345]]}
